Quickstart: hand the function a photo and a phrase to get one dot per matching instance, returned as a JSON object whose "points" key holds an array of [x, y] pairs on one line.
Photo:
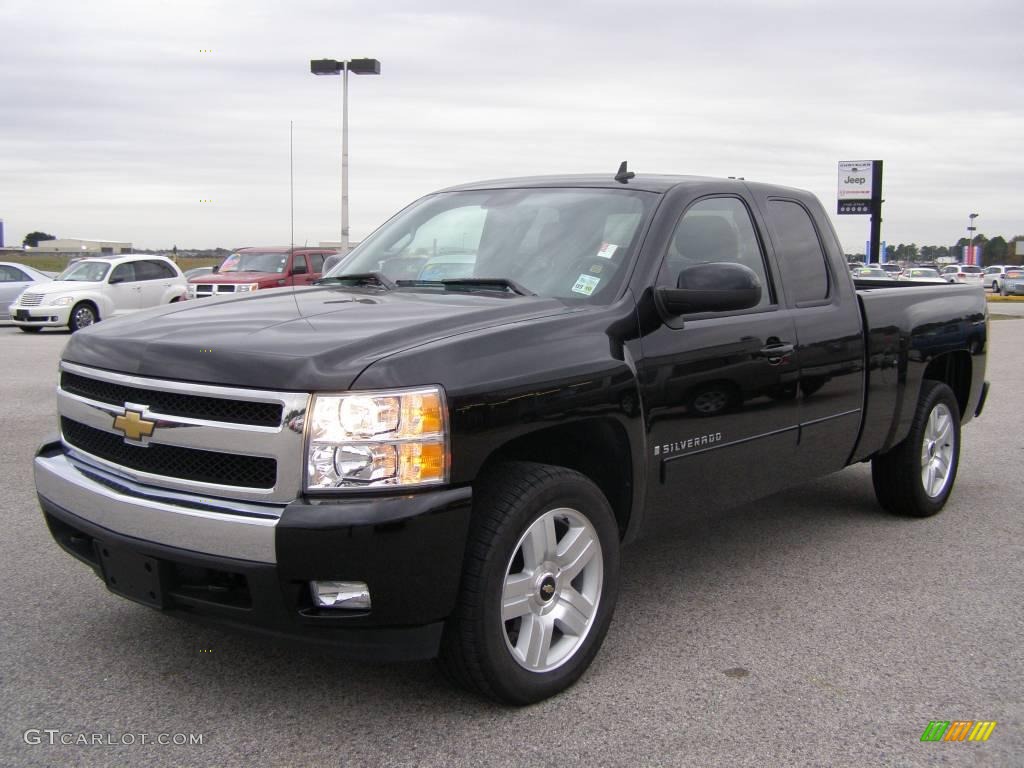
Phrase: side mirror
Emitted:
{"points": [[712, 287], [216, 269], [115, 279]]}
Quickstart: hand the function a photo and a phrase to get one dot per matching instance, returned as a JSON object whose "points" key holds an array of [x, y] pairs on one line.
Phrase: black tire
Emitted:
{"points": [[899, 475], [479, 649], [29, 329], [83, 314]]}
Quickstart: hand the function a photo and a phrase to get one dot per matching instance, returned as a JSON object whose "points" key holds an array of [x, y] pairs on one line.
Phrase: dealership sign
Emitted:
{"points": [[856, 186]]}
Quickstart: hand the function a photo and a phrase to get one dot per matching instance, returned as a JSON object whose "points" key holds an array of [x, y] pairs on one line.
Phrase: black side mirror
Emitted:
{"points": [[216, 269], [712, 287]]}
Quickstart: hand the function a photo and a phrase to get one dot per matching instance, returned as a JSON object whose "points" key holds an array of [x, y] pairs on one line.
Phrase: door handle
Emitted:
{"points": [[776, 353]]}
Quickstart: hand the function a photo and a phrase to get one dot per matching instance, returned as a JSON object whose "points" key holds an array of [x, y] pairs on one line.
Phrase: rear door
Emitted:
{"points": [[719, 389], [155, 279], [829, 329]]}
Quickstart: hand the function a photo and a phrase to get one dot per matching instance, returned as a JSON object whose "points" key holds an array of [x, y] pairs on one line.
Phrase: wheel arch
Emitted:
{"points": [[955, 370], [596, 448]]}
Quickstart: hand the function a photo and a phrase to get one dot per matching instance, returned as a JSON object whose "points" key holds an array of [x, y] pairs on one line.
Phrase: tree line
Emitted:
{"points": [[998, 250]]}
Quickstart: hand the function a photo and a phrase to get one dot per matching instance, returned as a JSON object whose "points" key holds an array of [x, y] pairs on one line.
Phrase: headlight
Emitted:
{"points": [[373, 439], [63, 301], [246, 287]]}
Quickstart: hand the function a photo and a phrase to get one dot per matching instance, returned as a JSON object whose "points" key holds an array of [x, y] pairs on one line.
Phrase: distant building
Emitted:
{"points": [[84, 247]]}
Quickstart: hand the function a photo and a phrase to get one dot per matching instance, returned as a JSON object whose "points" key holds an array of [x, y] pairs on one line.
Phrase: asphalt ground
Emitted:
{"points": [[807, 629]]}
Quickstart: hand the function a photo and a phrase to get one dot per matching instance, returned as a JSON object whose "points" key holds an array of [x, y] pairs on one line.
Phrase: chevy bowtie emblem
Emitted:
{"points": [[133, 425]]}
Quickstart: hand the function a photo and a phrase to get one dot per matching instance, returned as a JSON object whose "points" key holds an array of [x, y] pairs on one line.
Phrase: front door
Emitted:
{"points": [[719, 389]]}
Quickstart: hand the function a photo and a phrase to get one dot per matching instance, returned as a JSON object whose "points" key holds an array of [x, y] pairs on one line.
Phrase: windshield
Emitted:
{"points": [[85, 272], [923, 273], [255, 261], [562, 243]]}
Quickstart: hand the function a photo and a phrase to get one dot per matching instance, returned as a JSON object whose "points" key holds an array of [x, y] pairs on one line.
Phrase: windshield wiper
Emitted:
{"points": [[360, 280], [468, 284]]}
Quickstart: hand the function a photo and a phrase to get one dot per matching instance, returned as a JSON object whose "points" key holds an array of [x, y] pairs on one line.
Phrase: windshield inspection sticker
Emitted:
{"points": [[607, 250], [586, 284]]}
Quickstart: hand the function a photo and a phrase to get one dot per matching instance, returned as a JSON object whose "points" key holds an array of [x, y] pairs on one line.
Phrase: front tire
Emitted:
{"points": [[83, 315], [916, 477], [539, 584]]}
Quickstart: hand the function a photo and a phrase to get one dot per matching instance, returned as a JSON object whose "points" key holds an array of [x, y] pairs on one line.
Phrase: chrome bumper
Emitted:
{"points": [[186, 521]]}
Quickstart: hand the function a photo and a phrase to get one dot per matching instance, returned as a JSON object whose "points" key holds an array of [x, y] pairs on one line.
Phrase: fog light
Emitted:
{"points": [[353, 595]]}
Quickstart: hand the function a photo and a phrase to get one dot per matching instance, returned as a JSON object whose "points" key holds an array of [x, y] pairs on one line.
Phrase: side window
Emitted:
{"points": [[801, 259], [299, 264], [9, 274], [123, 273], [317, 261], [162, 271], [716, 229]]}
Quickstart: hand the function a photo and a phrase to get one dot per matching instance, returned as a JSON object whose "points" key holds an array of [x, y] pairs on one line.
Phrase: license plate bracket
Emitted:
{"points": [[132, 575]]}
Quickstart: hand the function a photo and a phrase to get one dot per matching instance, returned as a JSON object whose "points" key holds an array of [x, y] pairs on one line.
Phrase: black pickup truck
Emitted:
{"points": [[439, 450]]}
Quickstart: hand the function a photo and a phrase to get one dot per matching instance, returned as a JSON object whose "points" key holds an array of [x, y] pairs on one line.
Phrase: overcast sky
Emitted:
{"points": [[115, 121]]}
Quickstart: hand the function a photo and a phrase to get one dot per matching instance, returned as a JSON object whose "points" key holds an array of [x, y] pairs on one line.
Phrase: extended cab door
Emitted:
{"points": [[829, 328], [719, 389]]}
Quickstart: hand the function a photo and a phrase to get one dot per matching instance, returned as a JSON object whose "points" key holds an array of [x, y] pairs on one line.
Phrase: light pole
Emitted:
{"points": [[332, 67], [970, 237]]}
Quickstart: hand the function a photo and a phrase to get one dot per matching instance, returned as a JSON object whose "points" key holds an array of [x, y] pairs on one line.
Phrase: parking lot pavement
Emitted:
{"points": [[1008, 308], [808, 629]]}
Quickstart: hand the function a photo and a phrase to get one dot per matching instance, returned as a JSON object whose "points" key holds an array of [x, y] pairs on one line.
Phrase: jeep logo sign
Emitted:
{"points": [[855, 180]]}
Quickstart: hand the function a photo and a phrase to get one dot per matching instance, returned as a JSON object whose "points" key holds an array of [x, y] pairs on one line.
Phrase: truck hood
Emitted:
{"points": [[311, 338]]}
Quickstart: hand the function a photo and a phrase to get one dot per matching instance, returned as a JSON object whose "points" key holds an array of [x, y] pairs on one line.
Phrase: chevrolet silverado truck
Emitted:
{"points": [[252, 269], [405, 467]]}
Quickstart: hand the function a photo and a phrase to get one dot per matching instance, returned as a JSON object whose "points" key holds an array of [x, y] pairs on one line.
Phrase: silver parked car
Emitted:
{"points": [[1012, 283], [994, 276], [15, 278]]}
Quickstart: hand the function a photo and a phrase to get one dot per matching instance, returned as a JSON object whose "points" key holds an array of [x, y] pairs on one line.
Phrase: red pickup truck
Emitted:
{"points": [[250, 269]]}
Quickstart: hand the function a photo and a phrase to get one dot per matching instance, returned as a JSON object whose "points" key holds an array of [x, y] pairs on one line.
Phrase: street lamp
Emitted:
{"points": [[970, 237], [332, 67]]}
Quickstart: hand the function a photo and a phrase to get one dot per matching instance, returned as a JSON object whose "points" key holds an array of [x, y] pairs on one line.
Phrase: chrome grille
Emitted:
{"points": [[30, 300], [213, 289], [229, 442]]}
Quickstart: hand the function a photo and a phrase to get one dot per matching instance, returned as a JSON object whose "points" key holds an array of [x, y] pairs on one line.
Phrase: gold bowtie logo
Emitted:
{"points": [[133, 425]]}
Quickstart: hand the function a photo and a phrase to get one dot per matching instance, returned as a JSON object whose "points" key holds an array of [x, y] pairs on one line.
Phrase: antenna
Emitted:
{"points": [[623, 176], [291, 175]]}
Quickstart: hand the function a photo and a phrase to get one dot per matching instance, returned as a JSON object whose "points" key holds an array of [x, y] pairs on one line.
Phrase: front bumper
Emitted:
{"points": [[234, 566], [40, 317]]}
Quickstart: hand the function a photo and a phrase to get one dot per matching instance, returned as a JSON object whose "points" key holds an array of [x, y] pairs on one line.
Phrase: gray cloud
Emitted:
{"points": [[116, 124]]}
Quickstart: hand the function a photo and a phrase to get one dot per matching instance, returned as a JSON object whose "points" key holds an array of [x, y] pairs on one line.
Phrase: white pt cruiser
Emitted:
{"points": [[91, 290]]}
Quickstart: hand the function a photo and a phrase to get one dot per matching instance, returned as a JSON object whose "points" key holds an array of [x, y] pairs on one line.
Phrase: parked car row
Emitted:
{"points": [[93, 289], [96, 288]]}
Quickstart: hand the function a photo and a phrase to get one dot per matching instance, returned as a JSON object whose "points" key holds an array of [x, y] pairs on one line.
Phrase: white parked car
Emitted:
{"points": [[963, 273], [93, 289], [922, 275]]}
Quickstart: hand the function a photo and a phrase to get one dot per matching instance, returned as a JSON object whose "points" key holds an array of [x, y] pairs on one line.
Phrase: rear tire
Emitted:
{"points": [[916, 477], [539, 584]]}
